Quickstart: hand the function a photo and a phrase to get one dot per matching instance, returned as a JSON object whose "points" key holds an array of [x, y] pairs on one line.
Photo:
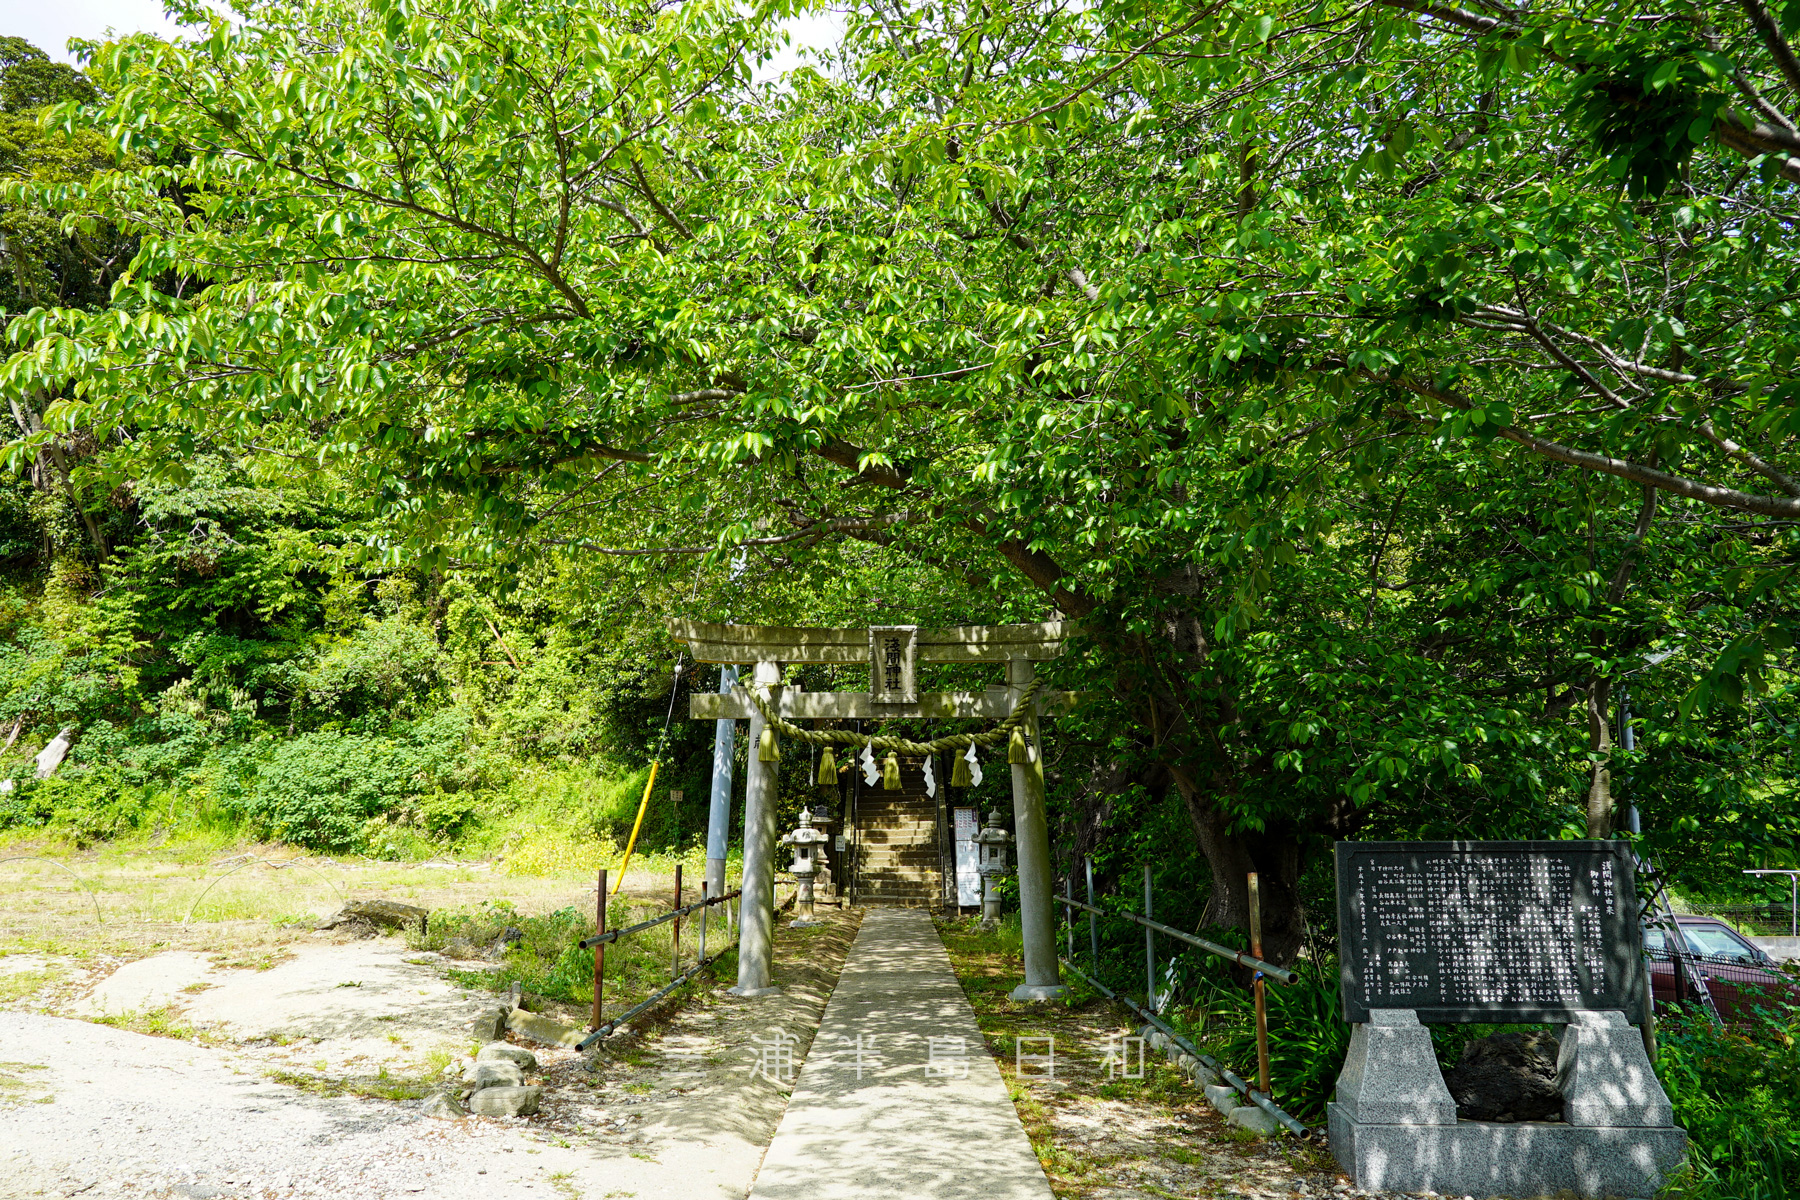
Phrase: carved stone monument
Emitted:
{"points": [[1495, 931]]}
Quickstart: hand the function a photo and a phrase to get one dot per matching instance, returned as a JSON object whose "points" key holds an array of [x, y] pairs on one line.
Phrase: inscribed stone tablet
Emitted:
{"points": [[1488, 931]]}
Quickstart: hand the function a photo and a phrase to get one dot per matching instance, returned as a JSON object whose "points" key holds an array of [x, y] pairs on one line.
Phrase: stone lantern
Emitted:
{"points": [[990, 861], [806, 842]]}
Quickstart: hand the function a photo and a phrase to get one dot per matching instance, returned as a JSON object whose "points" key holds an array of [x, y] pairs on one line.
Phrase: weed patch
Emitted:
{"points": [[163, 1021], [380, 1086]]}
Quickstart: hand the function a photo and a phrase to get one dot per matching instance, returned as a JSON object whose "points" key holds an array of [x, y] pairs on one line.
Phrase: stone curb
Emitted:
{"points": [[1237, 1111]]}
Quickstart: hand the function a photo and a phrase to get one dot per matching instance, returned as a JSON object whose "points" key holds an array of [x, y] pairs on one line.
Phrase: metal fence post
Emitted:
{"points": [[1149, 947], [1262, 1002], [675, 951], [1093, 921], [599, 950], [1069, 915]]}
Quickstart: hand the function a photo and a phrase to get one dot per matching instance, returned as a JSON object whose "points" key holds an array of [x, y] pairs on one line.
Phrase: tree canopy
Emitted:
{"points": [[1381, 385]]}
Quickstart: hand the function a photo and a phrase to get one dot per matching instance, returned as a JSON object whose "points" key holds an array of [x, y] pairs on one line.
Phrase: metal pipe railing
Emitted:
{"points": [[606, 1029], [599, 942], [1278, 974], [1260, 1099], [613, 935]]}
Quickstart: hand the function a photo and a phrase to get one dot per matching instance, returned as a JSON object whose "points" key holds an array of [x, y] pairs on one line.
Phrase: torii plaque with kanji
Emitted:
{"points": [[893, 664]]}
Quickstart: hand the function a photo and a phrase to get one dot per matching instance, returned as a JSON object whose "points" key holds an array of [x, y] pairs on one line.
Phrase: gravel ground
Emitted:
{"points": [[100, 1111], [669, 1111]]}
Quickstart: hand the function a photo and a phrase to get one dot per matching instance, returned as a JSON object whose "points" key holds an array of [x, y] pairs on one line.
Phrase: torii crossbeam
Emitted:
{"points": [[892, 652]]}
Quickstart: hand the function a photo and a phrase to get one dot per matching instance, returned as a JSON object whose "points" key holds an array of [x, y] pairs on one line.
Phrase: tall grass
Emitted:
{"points": [[1307, 1034], [546, 960]]}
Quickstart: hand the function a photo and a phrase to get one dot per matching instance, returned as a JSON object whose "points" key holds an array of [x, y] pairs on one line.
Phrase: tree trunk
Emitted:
{"points": [[1599, 798], [1273, 853]]}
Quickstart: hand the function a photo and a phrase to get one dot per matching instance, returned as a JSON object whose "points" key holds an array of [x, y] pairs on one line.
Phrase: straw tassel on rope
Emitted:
{"points": [[959, 772], [1015, 747], [770, 751], [890, 772], [828, 770]]}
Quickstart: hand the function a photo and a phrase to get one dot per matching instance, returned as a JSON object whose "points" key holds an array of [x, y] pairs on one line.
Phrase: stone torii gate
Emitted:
{"points": [[892, 652]]}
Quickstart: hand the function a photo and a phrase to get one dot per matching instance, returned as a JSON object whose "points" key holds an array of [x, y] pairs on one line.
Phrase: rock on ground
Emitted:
{"points": [[497, 1051], [1248, 1116], [1507, 1077], [386, 914], [506, 1101], [1222, 1097], [494, 1074], [543, 1029], [443, 1104]]}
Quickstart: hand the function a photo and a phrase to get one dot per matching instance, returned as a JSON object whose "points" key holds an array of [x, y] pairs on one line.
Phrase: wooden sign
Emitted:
{"points": [[894, 664]]}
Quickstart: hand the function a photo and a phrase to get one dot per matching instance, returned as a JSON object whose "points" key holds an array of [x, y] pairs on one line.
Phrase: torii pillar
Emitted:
{"points": [[756, 907], [891, 652], [1031, 829]]}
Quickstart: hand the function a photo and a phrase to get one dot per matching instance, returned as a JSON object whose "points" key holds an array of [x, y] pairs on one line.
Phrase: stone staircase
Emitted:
{"points": [[899, 864]]}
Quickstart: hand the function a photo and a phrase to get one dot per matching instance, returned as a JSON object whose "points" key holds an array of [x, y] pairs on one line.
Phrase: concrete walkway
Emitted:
{"points": [[930, 1116]]}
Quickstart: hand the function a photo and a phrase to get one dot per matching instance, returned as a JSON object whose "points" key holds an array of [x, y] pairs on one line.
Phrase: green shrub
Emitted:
{"points": [[321, 789], [1737, 1093], [384, 669], [1307, 1035]]}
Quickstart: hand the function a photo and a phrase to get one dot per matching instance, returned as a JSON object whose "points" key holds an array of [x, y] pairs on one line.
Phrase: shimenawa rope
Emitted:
{"points": [[846, 737]]}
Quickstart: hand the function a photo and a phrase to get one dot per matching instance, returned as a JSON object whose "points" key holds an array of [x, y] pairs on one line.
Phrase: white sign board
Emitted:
{"points": [[968, 879]]}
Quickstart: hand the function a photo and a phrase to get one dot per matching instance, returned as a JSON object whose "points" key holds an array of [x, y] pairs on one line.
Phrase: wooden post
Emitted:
{"points": [[1262, 1002], [705, 916], [1031, 831], [599, 950], [675, 954]]}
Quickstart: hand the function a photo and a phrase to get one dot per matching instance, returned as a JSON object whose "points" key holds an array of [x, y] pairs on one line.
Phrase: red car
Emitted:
{"points": [[1739, 975]]}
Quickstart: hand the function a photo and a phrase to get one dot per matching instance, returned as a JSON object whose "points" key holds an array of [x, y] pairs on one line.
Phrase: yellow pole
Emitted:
{"points": [[635, 826]]}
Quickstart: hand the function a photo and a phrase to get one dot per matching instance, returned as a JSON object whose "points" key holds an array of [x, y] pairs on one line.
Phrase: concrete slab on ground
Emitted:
{"points": [[927, 1113], [362, 997]]}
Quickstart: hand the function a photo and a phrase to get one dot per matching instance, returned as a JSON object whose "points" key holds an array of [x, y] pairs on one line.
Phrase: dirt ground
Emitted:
{"points": [[249, 1055], [1107, 1137], [242, 1053]]}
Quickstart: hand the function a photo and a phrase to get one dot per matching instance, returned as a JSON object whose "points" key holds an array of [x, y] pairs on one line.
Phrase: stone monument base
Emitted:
{"points": [[1523, 1158], [1394, 1126]]}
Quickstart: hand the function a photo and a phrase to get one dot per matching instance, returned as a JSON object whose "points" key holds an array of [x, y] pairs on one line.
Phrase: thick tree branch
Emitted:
{"points": [[1779, 50], [1692, 489], [1735, 135], [849, 457]]}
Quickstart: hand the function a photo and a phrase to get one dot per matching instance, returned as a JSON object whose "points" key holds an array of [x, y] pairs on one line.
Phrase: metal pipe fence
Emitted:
{"points": [[1775, 919], [1278, 974], [604, 937], [1254, 961], [1260, 1099]]}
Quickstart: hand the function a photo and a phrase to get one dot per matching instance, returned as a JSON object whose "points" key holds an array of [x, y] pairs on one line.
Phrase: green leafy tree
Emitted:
{"points": [[1376, 385]]}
